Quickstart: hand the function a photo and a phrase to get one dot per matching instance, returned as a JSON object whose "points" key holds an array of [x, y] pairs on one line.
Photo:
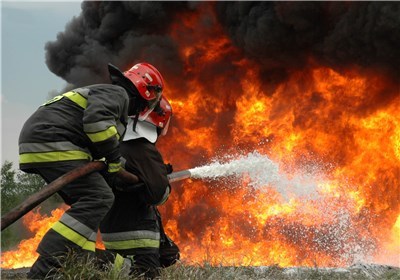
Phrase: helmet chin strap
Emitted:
{"points": [[138, 106], [135, 120]]}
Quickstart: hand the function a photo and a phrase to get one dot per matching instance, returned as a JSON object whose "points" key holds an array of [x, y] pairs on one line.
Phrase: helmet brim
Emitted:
{"points": [[143, 130], [114, 71], [118, 77]]}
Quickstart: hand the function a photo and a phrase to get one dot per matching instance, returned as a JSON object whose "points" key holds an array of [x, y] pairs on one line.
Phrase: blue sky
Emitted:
{"points": [[25, 79]]}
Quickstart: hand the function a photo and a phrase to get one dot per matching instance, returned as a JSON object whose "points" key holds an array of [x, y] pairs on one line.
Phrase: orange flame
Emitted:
{"points": [[25, 254], [343, 125]]}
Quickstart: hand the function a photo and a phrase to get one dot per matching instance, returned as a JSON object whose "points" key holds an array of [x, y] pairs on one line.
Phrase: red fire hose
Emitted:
{"points": [[50, 189]]}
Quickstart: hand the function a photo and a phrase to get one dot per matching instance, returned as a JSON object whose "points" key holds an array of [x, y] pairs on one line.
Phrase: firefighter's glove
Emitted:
{"points": [[115, 182], [114, 167], [169, 168], [111, 175]]}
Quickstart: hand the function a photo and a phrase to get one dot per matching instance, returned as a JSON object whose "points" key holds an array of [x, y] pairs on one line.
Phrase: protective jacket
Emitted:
{"points": [[133, 227], [82, 124], [64, 134]]}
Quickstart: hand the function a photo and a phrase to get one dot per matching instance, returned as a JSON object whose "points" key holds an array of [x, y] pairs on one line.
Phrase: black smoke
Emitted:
{"points": [[287, 35], [281, 36], [118, 32]]}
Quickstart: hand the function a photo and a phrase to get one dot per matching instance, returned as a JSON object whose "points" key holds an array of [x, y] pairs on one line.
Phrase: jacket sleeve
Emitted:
{"points": [[144, 160], [104, 120]]}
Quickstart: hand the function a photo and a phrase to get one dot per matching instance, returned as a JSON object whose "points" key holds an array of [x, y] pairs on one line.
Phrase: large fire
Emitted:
{"points": [[319, 118], [25, 254], [321, 121]]}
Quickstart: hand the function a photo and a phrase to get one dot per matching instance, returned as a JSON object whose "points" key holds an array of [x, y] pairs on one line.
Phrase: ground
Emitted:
{"points": [[357, 271]]}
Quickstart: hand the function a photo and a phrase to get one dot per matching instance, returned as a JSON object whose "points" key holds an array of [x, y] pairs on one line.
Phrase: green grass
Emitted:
{"points": [[209, 272], [86, 269]]}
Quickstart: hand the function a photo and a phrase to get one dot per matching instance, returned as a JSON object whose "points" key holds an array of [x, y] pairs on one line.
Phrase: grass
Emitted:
{"points": [[180, 271], [86, 269]]}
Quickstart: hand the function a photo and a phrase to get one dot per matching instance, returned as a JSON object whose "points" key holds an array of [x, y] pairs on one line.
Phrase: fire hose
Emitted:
{"points": [[50, 189]]}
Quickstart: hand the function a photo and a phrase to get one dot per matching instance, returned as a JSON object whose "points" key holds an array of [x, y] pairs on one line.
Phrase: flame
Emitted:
{"points": [[340, 126], [343, 124], [25, 254], [38, 224]]}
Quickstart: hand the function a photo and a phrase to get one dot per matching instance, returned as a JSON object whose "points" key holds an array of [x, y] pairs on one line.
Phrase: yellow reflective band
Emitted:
{"points": [[131, 244], [89, 246], [73, 236], [103, 135], [53, 156], [54, 99], [114, 167], [77, 98]]}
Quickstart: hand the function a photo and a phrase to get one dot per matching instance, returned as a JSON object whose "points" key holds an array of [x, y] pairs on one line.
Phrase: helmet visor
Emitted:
{"points": [[151, 104], [165, 129]]}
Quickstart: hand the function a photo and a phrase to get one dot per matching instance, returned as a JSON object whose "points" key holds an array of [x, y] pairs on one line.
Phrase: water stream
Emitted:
{"points": [[261, 173]]}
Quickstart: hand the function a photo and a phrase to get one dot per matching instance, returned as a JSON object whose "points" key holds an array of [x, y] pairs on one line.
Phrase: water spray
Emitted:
{"points": [[259, 168], [259, 171]]}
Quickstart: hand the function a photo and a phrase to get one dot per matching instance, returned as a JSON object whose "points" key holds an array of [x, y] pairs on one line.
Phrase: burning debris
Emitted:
{"points": [[314, 87]]}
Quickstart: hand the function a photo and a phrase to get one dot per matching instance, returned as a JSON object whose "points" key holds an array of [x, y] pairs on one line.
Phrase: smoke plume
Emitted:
{"points": [[281, 36], [117, 32]]}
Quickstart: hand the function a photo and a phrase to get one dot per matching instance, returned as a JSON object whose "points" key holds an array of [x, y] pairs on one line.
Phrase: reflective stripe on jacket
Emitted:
{"points": [[76, 232], [131, 240], [82, 124], [51, 152]]}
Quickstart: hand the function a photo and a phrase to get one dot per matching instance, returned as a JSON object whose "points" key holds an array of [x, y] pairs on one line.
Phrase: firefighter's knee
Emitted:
{"points": [[108, 200], [101, 202]]}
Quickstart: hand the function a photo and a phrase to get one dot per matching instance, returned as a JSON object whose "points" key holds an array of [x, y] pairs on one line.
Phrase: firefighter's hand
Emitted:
{"points": [[122, 180], [169, 168], [115, 182], [127, 177], [115, 166]]}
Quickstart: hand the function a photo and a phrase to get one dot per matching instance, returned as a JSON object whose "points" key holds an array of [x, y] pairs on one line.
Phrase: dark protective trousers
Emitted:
{"points": [[90, 198], [134, 230]]}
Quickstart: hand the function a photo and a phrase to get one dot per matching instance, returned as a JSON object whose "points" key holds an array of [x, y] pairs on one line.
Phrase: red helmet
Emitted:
{"points": [[149, 83], [145, 78], [161, 116]]}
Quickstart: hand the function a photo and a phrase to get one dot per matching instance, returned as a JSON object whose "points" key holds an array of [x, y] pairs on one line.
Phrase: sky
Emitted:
{"points": [[26, 82]]}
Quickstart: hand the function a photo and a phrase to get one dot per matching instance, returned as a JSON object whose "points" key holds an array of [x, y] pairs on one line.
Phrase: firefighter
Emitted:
{"points": [[71, 130], [133, 227]]}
